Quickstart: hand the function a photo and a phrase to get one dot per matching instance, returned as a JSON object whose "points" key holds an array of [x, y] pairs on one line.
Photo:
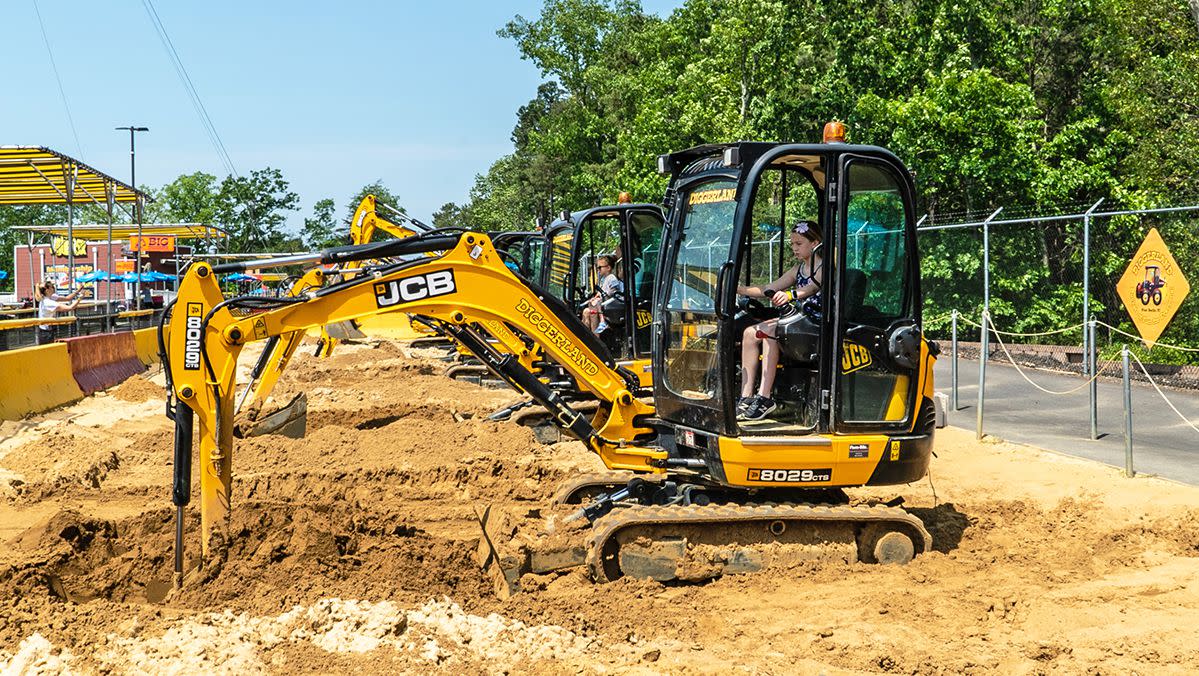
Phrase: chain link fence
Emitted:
{"points": [[1043, 277]]}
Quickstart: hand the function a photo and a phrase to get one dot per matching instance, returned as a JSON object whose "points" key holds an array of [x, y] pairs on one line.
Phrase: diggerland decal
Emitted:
{"points": [[712, 196], [556, 337]]}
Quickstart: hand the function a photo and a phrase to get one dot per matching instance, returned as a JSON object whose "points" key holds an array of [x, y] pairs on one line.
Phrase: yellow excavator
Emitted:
{"points": [[562, 260], [276, 355], [701, 492]]}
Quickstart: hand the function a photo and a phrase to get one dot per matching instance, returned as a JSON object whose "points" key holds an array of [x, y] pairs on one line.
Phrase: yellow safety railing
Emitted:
{"points": [[6, 324]]}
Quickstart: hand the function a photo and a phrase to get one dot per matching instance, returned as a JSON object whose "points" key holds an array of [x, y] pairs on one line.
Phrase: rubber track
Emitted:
{"points": [[609, 525]]}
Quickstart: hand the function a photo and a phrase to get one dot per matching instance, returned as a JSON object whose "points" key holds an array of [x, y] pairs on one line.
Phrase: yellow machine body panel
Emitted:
{"points": [[816, 461]]}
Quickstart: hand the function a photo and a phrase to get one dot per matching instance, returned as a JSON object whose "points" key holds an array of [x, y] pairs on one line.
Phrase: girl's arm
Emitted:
{"points": [[774, 289]]}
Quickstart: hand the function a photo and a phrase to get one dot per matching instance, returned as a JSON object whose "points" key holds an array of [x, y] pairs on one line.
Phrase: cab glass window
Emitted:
{"points": [[784, 196], [692, 359], [560, 248], [599, 236], [877, 293], [645, 234], [876, 252]]}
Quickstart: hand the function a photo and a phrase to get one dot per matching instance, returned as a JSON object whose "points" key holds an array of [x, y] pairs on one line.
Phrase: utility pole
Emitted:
{"points": [[137, 212]]}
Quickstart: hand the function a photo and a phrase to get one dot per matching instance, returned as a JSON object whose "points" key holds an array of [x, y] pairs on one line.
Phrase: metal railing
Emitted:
{"points": [[1093, 372]]}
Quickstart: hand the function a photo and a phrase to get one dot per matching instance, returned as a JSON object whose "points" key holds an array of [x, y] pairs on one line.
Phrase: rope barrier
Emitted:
{"points": [[1019, 370], [938, 318], [1016, 334], [1162, 394], [966, 320], [1135, 337]]}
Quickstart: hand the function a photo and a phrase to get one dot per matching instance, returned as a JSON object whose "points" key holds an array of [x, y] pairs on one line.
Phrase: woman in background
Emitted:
{"points": [[49, 305]]}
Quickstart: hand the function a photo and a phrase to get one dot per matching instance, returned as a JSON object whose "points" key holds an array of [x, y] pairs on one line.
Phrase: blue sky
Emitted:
{"points": [[336, 95]]}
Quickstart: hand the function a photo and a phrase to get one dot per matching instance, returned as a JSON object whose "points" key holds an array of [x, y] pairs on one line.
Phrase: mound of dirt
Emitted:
{"points": [[354, 548], [137, 388]]}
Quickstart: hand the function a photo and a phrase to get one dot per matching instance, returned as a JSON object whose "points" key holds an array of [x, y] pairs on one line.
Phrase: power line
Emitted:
{"points": [[185, 79], [62, 91]]}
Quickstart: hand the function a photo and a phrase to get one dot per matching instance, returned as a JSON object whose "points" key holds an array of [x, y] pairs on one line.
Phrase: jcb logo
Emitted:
{"points": [[408, 289], [644, 319], [194, 327], [854, 357]]}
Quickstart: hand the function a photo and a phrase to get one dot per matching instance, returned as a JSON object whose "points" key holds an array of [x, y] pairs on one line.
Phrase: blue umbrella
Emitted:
{"points": [[131, 277], [240, 277], [95, 276], [156, 276]]}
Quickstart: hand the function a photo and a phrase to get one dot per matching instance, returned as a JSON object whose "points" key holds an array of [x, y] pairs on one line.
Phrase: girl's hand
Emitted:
{"points": [[780, 299]]}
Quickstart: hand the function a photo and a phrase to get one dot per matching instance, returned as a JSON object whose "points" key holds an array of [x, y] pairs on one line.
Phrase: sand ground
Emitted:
{"points": [[353, 548]]}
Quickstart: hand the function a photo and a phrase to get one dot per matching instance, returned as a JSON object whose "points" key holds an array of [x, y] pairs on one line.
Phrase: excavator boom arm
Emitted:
{"points": [[466, 283]]}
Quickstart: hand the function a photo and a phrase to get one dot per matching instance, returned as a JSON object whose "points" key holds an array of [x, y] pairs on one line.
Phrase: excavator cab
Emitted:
{"points": [[852, 363], [630, 235], [523, 252]]}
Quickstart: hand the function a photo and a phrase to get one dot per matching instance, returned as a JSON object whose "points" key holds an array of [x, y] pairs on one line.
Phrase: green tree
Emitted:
{"points": [[191, 198], [253, 209], [323, 229], [383, 196], [450, 215]]}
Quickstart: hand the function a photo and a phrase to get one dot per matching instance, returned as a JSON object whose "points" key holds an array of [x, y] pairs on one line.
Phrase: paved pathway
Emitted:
{"points": [[1014, 410]]}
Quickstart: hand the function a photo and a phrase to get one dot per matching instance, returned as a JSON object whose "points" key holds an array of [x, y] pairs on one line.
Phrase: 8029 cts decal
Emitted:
{"points": [[791, 475]]}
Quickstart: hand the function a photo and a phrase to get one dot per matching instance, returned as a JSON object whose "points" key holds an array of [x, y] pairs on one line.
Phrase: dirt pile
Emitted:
{"points": [[138, 388], [354, 548]]}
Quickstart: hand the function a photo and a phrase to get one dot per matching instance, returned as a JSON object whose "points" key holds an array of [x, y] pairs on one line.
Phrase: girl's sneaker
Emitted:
{"points": [[759, 408], [743, 404]]}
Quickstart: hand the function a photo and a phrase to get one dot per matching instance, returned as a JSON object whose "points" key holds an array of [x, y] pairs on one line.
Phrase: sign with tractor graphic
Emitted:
{"points": [[1152, 287]]}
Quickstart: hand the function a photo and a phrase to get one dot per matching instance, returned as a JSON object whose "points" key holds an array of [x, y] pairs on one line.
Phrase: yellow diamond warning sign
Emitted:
{"points": [[1152, 287]]}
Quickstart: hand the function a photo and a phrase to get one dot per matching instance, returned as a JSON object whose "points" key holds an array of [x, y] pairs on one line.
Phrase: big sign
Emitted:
{"points": [[153, 243]]}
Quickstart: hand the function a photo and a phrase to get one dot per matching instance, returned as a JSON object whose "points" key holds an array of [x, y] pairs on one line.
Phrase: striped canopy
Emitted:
{"points": [[37, 175]]}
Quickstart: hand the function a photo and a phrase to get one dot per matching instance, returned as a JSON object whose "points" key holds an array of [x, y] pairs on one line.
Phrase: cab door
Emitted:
{"points": [[877, 299], [690, 383], [642, 246]]}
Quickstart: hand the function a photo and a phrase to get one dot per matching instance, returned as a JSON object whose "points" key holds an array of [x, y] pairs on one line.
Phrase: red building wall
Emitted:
{"points": [[46, 265]]}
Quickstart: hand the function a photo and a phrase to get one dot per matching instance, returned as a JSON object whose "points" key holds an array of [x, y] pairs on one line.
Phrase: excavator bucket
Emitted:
{"points": [[290, 421], [506, 555], [346, 330]]}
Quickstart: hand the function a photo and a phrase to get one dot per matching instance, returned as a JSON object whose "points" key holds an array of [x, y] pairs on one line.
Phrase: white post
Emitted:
{"points": [[953, 364]]}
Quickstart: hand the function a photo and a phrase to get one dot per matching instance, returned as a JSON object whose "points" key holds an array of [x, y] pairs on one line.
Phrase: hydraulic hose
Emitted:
{"points": [[181, 486]]}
